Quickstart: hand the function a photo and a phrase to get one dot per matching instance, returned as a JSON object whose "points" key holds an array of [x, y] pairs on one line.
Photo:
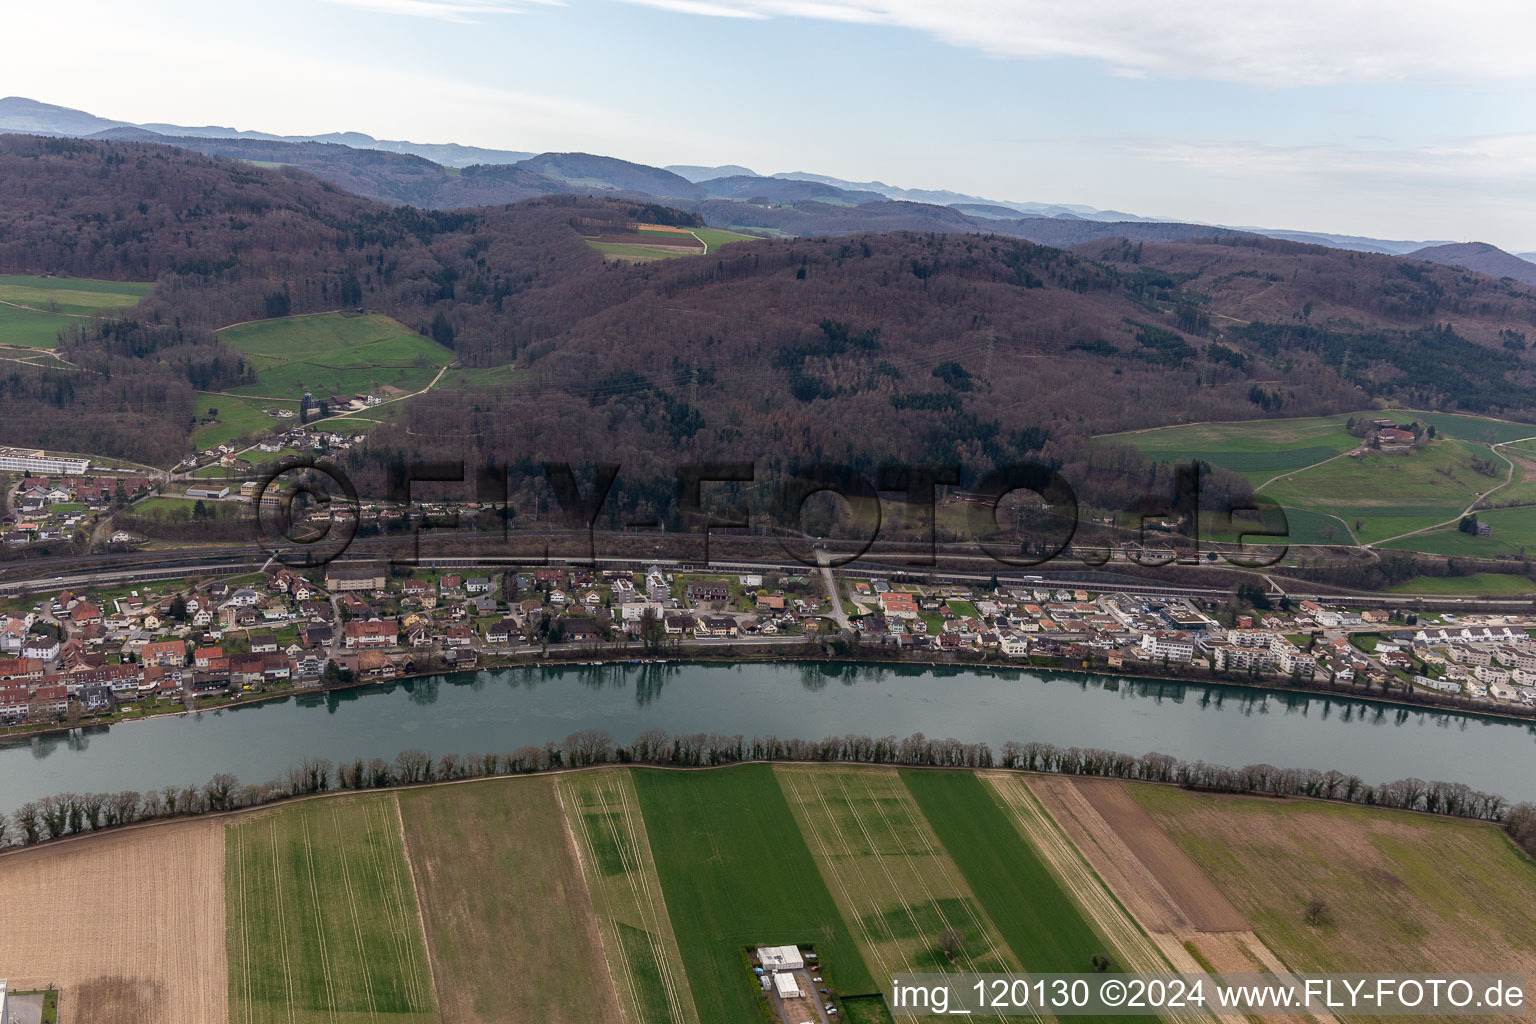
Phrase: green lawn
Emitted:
{"points": [[736, 872], [321, 917]]}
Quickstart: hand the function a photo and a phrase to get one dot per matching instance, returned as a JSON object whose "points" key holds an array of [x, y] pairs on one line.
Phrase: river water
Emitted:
{"points": [[505, 709]]}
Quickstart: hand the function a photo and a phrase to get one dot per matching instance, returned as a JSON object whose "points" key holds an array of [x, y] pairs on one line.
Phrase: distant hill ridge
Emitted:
{"points": [[548, 173], [1481, 257]]}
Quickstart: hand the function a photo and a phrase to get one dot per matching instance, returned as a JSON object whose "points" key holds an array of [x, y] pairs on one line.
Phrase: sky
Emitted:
{"points": [[1404, 120]]}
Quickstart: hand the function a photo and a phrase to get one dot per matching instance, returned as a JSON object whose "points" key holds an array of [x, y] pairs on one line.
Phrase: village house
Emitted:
{"points": [[708, 592], [371, 633], [164, 652]]}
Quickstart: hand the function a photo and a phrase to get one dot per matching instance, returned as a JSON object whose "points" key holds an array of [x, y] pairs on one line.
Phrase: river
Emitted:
{"points": [[505, 709]]}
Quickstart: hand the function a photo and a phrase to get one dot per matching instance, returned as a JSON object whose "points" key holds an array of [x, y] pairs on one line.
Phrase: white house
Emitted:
{"points": [[41, 647]]}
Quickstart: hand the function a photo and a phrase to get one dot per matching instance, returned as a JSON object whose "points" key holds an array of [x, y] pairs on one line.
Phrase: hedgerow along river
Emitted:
{"points": [[499, 711]]}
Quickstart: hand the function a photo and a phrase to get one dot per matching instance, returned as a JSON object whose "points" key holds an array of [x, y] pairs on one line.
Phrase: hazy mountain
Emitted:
{"points": [[1358, 243], [1531, 256], [678, 183], [693, 172], [784, 190], [394, 178], [18, 114], [1481, 257], [610, 172]]}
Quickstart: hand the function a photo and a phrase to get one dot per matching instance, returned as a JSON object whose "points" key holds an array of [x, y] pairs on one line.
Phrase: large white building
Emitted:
{"points": [[780, 958], [32, 460]]}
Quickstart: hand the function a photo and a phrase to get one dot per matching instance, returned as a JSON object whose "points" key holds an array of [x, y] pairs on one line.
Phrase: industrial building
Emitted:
{"points": [[780, 958], [31, 460]]}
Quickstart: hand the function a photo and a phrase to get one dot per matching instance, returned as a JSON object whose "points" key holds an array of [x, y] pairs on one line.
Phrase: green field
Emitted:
{"points": [[72, 294], [1296, 463], [713, 239], [1038, 920], [1483, 584], [716, 237], [526, 945], [1392, 494], [238, 418], [736, 872], [892, 879], [29, 328], [322, 919], [603, 811], [334, 353], [33, 310], [1259, 449]]}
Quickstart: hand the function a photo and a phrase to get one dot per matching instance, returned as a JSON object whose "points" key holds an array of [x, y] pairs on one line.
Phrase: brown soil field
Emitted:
{"points": [[510, 926], [133, 922], [1169, 891], [1403, 892]]}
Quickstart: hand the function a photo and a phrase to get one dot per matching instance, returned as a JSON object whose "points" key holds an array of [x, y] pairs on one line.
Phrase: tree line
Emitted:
{"points": [[68, 814]]}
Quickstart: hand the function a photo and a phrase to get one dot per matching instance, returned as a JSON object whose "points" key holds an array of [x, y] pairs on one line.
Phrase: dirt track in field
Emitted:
{"points": [[133, 922]]}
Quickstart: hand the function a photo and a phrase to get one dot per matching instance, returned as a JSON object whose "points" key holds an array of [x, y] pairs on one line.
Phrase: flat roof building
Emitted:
{"points": [[785, 984], [780, 958], [33, 460]]}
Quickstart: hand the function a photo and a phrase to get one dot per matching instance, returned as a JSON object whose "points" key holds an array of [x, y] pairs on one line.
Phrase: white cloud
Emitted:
{"points": [[460, 11], [1497, 163], [1297, 42]]}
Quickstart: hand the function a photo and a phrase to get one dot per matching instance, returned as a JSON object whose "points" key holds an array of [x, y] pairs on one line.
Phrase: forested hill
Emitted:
{"points": [[932, 346]]}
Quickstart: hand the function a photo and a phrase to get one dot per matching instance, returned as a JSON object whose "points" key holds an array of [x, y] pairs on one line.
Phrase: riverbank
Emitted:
{"points": [[727, 654]]}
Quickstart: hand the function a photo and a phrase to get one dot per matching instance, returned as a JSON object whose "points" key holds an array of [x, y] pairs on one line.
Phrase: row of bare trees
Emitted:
{"points": [[69, 814]]}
